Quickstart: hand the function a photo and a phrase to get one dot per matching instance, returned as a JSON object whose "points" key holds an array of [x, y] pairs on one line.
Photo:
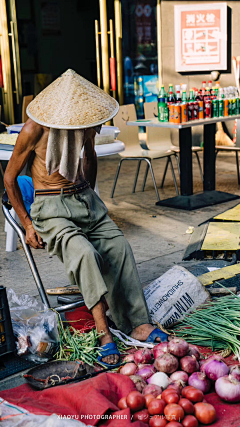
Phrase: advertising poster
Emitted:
{"points": [[201, 37]]}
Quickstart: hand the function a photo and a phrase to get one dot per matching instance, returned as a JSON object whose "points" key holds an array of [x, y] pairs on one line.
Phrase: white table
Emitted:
{"points": [[209, 196], [5, 154]]}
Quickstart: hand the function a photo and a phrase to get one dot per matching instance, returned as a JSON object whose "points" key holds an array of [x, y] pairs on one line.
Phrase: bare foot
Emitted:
{"points": [[142, 332], [113, 359]]}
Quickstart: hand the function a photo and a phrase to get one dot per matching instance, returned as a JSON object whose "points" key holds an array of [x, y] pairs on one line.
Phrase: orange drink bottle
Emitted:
{"points": [[171, 112], [177, 113], [225, 107], [184, 112]]}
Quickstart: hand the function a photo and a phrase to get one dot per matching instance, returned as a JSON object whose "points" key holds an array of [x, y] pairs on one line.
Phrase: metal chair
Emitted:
{"points": [[133, 150], [6, 207], [162, 137]]}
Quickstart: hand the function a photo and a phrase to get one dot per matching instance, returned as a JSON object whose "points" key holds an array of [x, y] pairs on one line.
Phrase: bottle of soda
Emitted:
{"points": [[190, 106], [171, 90], [162, 110], [162, 93], [220, 103], [207, 104], [178, 97], [171, 98], [213, 94], [234, 102], [237, 101], [204, 84], [210, 85], [184, 107], [199, 99], [226, 103]]}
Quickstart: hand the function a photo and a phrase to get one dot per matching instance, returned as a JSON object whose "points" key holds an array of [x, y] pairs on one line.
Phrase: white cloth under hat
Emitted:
{"points": [[64, 151]]}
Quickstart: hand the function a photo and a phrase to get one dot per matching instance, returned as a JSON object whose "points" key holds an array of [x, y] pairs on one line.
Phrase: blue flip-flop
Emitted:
{"points": [[157, 333], [108, 350]]}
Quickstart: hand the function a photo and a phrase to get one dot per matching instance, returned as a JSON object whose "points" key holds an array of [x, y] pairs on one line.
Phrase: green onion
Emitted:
{"points": [[214, 324]]}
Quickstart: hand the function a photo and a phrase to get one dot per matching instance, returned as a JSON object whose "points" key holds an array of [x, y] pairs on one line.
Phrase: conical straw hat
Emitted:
{"points": [[72, 102]]}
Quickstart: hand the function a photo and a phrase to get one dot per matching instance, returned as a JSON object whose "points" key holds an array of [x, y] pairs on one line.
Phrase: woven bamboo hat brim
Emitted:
{"points": [[72, 102]]}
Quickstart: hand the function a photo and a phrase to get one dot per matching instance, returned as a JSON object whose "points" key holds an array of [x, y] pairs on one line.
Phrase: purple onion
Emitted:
{"points": [[235, 372], [193, 351], [228, 389], [139, 382], [216, 369], [146, 371], [200, 381], [179, 375], [178, 347], [189, 364], [204, 363], [166, 363], [153, 389], [143, 356], [160, 349]]}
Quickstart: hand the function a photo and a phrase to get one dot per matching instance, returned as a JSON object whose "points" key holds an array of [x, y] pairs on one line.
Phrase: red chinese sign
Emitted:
{"points": [[201, 37]]}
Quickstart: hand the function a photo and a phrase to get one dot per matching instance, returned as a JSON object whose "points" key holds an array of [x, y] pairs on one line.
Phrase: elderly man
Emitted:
{"points": [[68, 215]]}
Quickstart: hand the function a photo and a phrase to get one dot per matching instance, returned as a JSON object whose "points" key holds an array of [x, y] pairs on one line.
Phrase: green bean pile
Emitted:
{"points": [[83, 346], [214, 324]]}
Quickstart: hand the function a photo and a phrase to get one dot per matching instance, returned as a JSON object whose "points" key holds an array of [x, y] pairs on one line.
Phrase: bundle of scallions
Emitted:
{"points": [[82, 346], [214, 324]]}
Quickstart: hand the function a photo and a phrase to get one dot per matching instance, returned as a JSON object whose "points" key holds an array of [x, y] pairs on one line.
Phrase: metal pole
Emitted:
{"points": [[98, 54], [118, 31], [112, 46], [159, 43], [104, 44]]}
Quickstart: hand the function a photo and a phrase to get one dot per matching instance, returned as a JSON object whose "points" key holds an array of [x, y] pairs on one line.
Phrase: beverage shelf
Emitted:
{"points": [[155, 123]]}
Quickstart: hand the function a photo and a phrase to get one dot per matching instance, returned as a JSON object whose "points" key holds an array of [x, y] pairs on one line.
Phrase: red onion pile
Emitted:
{"points": [[159, 377]]}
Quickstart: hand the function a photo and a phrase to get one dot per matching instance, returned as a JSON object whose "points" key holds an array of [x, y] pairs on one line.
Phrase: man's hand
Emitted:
{"points": [[33, 239]]}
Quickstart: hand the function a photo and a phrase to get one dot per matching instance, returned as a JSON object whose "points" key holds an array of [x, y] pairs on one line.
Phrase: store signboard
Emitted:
{"points": [[201, 37]]}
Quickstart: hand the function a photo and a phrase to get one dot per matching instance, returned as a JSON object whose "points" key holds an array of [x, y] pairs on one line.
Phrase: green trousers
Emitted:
{"points": [[96, 255]]}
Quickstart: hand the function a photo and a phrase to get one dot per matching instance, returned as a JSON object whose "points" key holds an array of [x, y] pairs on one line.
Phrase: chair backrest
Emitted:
{"points": [[157, 138], [26, 101], [128, 134]]}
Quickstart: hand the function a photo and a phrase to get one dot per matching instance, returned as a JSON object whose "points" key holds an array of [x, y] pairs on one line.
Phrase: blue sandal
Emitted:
{"points": [[108, 350], [157, 333]]}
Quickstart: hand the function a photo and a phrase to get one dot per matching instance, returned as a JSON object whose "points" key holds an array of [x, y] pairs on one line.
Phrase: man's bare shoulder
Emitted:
{"points": [[32, 128], [30, 134]]}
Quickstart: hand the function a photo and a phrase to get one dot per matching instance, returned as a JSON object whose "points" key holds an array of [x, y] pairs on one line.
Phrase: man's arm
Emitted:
{"points": [[89, 157], [26, 142]]}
